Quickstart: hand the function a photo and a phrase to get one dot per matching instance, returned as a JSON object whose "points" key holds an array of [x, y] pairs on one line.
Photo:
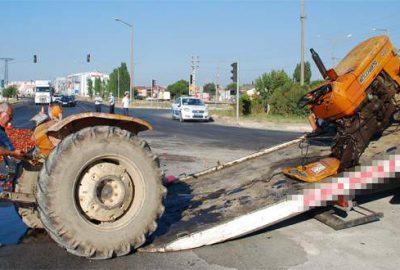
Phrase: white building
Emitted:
{"points": [[76, 84], [60, 85]]}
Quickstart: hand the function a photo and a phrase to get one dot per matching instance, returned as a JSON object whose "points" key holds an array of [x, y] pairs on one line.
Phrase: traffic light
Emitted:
{"points": [[153, 83], [88, 58], [191, 79], [34, 58], [234, 72]]}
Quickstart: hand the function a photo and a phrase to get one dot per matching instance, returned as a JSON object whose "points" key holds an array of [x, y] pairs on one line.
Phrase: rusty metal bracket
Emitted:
{"points": [[17, 197]]}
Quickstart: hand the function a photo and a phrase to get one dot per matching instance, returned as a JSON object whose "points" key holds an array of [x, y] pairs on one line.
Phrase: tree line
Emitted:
{"points": [[276, 92]]}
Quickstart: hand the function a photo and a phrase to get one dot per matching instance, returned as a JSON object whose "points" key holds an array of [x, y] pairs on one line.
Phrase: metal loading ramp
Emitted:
{"points": [[250, 194]]}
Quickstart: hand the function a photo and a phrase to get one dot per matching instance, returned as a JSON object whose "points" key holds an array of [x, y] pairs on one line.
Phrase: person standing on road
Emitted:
{"points": [[111, 101], [55, 111], [97, 102], [6, 146], [125, 103]]}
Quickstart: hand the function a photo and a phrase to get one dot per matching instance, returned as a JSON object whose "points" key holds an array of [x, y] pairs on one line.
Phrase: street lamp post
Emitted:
{"points": [[131, 80]]}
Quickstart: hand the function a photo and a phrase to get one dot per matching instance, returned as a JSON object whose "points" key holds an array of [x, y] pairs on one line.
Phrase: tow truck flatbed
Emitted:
{"points": [[246, 195]]}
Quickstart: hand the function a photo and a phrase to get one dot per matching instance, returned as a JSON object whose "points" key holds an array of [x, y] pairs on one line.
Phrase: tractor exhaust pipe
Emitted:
{"points": [[319, 64]]}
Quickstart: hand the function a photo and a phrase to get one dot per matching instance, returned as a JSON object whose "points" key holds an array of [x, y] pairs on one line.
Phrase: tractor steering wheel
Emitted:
{"points": [[314, 97]]}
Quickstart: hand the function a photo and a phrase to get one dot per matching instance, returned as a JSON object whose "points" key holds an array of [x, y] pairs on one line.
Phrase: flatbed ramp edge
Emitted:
{"points": [[242, 197]]}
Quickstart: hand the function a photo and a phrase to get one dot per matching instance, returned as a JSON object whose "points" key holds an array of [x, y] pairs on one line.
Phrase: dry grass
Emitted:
{"points": [[261, 117]]}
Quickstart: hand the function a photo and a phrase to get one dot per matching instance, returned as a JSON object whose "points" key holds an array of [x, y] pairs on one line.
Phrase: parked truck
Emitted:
{"points": [[97, 188], [165, 95], [43, 92]]}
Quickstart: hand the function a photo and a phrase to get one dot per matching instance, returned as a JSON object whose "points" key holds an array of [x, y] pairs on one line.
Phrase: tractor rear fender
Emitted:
{"points": [[48, 135], [80, 121]]}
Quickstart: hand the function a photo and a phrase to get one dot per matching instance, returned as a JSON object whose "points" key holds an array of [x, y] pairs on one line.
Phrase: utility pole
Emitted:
{"points": [[6, 60], [217, 88], [153, 85], [302, 17], [195, 67], [237, 92]]}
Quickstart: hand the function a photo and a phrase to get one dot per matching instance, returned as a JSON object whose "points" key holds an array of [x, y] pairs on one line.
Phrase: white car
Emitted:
{"points": [[189, 108], [56, 98]]}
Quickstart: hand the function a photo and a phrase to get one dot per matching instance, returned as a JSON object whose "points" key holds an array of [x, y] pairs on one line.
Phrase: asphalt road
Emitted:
{"points": [[219, 135], [182, 147], [298, 243]]}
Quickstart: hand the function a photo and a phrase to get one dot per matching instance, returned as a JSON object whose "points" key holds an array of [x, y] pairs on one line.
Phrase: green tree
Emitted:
{"points": [[209, 88], [307, 73], [97, 86], [179, 88], [10, 91], [124, 80], [231, 86], [284, 100], [90, 87], [314, 84], [268, 82], [103, 87]]}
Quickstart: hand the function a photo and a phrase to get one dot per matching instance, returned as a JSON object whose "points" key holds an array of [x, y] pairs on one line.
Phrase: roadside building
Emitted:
{"points": [[25, 88], [60, 85], [252, 92], [77, 84], [158, 92]]}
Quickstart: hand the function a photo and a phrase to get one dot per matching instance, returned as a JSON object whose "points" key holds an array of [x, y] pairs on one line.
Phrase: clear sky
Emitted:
{"points": [[262, 35]]}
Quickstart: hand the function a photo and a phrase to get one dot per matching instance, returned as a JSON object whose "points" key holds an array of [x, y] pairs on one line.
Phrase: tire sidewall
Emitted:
{"points": [[62, 181]]}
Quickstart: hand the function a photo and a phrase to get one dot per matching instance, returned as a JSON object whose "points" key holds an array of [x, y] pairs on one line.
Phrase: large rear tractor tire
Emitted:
{"points": [[100, 192], [27, 183]]}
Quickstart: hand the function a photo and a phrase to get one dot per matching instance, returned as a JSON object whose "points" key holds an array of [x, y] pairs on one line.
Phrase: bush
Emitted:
{"points": [[245, 104], [258, 106], [284, 100]]}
